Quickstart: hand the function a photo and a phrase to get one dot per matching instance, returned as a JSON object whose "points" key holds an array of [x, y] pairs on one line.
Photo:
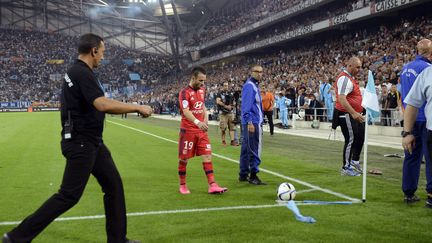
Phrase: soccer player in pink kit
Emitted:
{"points": [[193, 139]]}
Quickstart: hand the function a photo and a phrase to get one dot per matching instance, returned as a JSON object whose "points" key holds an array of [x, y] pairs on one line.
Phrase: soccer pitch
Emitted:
{"points": [[145, 151]]}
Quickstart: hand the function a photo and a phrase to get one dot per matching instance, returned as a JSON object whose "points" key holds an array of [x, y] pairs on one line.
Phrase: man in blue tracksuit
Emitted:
{"points": [[252, 119], [412, 161], [327, 98]]}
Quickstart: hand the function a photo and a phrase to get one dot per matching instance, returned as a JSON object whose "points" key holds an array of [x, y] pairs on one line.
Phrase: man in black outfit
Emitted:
{"points": [[82, 117], [392, 104], [225, 103]]}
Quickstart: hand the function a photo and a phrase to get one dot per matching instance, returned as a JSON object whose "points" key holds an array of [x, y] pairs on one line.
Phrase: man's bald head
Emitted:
{"points": [[354, 61], [354, 65], [424, 47]]}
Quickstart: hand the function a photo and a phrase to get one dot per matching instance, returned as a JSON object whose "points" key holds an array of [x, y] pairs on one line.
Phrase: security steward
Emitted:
{"points": [[83, 108], [420, 93], [412, 161]]}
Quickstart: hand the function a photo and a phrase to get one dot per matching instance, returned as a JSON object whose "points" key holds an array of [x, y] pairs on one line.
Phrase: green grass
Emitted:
{"points": [[31, 167]]}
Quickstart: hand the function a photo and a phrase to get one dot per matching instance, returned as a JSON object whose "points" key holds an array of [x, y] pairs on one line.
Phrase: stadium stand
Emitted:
{"points": [[298, 64], [34, 62]]}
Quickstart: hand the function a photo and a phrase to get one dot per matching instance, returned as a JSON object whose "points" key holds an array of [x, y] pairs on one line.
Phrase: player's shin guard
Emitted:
{"points": [[208, 168], [182, 171]]}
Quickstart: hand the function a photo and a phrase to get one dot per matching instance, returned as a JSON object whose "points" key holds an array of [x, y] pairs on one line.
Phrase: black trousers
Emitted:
{"points": [[269, 115], [386, 117], [353, 132], [82, 159]]}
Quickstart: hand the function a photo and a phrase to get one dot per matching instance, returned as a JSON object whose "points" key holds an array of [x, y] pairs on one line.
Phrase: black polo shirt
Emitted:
{"points": [[393, 99], [80, 89], [228, 99]]}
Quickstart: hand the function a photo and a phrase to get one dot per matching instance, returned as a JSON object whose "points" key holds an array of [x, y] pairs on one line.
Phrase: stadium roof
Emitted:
{"points": [[137, 24]]}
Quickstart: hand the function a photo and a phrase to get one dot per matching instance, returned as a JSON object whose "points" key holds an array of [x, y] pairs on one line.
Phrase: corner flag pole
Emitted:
{"points": [[365, 152], [371, 104]]}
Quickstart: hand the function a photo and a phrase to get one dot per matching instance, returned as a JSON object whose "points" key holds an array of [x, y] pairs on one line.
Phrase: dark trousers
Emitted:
{"points": [[386, 117], [353, 132], [269, 115], [250, 155], [82, 159], [412, 162]]}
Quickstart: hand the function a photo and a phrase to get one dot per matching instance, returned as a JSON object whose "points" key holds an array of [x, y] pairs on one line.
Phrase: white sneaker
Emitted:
{"points": [[349, 172], [356, 166]]}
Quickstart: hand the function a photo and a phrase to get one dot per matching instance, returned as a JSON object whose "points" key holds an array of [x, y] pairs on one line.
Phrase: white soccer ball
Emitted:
{"points": [[286, 192]]}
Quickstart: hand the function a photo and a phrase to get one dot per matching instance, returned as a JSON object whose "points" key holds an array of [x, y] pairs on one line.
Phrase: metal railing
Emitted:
{"points": [[389, 117]]}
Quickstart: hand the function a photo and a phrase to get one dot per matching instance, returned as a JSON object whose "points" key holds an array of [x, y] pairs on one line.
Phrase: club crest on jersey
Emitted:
{"points": [[198, 105], [185, 104]]}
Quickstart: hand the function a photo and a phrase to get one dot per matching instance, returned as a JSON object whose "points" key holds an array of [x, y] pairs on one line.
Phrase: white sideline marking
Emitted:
{"points": [[261, 169], [102, 216], [304, 191]]}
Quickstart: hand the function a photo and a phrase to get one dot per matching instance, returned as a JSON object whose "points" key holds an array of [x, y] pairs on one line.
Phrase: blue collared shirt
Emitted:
{"points": [[409, 74], [420, 93]]}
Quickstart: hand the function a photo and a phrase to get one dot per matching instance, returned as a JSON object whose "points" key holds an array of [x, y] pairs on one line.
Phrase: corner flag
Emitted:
{"points": [[370, 99], [370, 103]]}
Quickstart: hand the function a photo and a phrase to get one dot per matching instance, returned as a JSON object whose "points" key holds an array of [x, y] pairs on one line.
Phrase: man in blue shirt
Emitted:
{"points": [[251, 119], [327, 98], [282, 103], [412, 161]]}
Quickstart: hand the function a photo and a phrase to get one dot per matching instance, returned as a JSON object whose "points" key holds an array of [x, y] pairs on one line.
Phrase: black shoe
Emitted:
{"points": [[411, 199], [6, 239], [256, 181], [243, 178], [429, 202]]}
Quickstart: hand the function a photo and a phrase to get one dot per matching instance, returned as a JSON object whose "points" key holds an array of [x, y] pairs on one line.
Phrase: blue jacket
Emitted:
{"points": [[282, 103], [324, 92], [251, 107], [407, 77]]}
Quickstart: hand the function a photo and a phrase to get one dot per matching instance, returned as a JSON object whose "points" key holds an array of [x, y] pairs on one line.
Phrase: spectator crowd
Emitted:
{"points": [[34, 62], [296, 71], [247, 12]]}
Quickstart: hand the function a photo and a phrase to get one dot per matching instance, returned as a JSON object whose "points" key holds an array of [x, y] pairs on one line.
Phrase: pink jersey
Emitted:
{"points": [[194, 101]]}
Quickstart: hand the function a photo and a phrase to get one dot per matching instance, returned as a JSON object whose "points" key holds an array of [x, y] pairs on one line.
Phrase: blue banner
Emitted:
{"points": [[16, 104], [128, 62], [134, 76]]}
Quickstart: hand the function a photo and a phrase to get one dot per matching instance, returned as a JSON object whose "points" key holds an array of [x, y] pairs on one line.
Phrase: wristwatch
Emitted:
{"points": [[404, 133]]}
